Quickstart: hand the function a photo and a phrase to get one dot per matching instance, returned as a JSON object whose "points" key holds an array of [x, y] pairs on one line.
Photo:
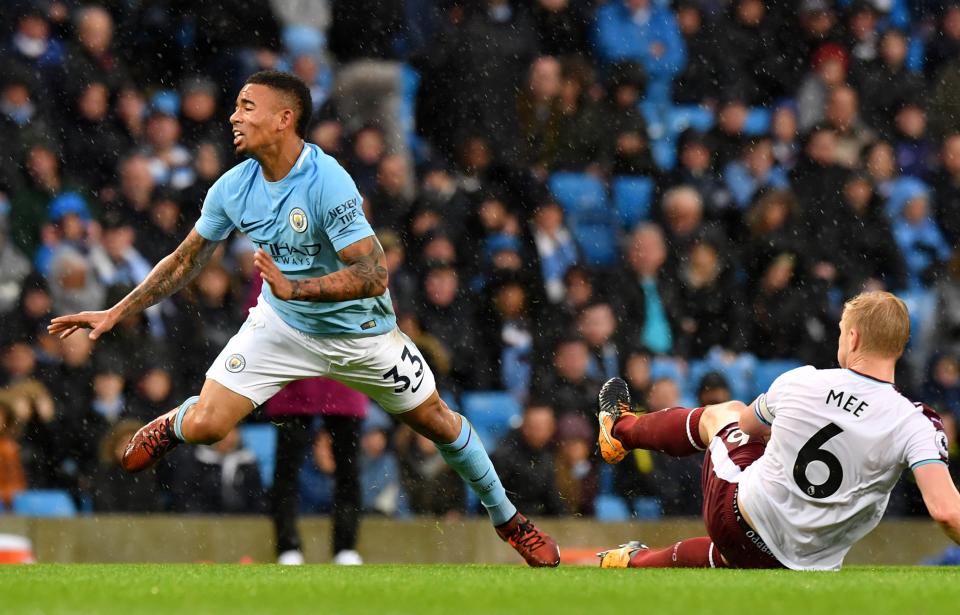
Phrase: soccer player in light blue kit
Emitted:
{"points": [[324, 311]]}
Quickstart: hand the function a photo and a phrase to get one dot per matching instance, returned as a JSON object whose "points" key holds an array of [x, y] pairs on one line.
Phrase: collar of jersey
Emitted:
{"points": [[293, 170], [862, 375]]}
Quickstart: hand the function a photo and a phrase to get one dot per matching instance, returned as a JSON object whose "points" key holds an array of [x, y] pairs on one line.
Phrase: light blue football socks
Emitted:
{"points": [[467, 456], [178, 420]]}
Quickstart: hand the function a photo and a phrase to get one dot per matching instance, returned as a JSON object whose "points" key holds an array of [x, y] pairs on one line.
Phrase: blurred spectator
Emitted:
{"points": [[538, 113], [95, 145], [554, 248], [597, 325], [12, 476], [14, 266], [867, 258], [713, 389], [646, 32], [946, 190], [829, 66], [915, 152], [695, 168], [920, 241], [115, 259], [379, 471], [947, 293], [728, 134], [33, 47], [164, 232], [92, 57], [773, 228], [429, 485], [645, 291], [30, 315], [886, 83], [567, 387], [393, 196], [35, 417], [29, 206], [842, 114], [944, 45], [219, 478], [525, 462], [508, 336], [200, 121], [784, 132], [701, 78], [114, 489], [756, 170], [153, 395], [576, 475], [169, 159], [448, 316], [817, 178], [317, 477], [581, 142], [712, 304], [363, 163], [561, 26], [747, 66], [628, 148], [778, 311]]}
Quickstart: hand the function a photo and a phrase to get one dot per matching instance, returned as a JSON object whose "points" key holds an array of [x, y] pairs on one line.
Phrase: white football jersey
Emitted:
{"points": [[839, 442]]}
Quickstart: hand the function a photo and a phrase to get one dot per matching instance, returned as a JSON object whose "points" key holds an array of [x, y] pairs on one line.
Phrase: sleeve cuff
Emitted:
{"points": [[924, 462], [762, 412]]}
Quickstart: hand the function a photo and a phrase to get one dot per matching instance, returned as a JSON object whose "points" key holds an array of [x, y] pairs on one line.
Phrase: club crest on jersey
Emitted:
{"points": [[298, 219], [235, 363]]}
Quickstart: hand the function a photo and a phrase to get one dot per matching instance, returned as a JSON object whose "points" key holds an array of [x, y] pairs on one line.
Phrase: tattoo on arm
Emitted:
{"points": [[365, 276], [170, 275]]}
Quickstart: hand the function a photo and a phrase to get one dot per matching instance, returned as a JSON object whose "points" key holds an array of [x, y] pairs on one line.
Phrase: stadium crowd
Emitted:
{"points": [[566, 190]]}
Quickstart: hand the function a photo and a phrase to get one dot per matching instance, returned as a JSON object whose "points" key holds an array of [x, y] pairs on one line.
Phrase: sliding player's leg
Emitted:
{"points": [[689, 553], [675, 431]]}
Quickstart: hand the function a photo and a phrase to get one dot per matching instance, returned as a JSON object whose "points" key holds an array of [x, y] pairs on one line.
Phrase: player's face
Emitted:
{"points": [[258, 119]]}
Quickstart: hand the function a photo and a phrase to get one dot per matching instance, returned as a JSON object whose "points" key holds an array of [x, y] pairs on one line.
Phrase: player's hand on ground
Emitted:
{"points": [[99, 322], [280, 286]]}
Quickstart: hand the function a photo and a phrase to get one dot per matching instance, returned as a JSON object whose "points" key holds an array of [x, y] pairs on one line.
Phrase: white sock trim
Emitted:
{"points": [[710, 556], [690, 434]]}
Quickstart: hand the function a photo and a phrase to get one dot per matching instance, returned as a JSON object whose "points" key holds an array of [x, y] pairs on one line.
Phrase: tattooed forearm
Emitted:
{"points": [[170, 274], [365, 276]]}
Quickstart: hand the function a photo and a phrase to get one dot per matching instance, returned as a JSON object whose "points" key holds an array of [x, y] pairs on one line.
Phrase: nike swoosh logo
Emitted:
{"points": [[246, 227], [414, 389], [477, 480]]}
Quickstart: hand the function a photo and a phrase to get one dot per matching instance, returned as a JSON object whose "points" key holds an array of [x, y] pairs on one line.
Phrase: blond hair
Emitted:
{"points": [[882, 320]]}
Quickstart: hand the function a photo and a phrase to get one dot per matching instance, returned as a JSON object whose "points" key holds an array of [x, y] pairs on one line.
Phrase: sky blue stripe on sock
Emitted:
{"points": [[182, 410]]}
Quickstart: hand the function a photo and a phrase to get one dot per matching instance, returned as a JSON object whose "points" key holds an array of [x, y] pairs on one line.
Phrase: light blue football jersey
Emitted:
{"points": [[302, 221]]}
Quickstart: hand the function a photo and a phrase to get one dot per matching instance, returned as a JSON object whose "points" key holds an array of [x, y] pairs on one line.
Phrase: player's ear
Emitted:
{"points": [[285, 120], [854, 339]]}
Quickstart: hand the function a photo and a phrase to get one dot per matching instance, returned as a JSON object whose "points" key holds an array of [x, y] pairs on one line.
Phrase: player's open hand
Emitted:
{"points": [[99, 322], [280, 286]]}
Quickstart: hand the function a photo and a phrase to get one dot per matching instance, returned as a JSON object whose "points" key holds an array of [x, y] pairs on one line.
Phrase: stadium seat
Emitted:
{"points": [[662, 367], [261, 438], [610, 509], [43, 503], [599, 242], [647, 508], [682, 117], [765, 372], [737, 373], [632, 197], [492, 414], [580, 195], [758, 122]]}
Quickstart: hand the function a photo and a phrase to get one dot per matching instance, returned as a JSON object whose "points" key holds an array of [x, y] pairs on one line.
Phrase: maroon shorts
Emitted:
{"points": [[739, 544]]}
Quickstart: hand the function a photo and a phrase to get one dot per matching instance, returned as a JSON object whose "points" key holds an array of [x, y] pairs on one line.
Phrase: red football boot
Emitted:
{"points": [[153, 441], [536, 547]]}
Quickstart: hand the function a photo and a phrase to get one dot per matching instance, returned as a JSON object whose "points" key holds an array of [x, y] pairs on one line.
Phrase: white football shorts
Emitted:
{"points": [[266, 354]]}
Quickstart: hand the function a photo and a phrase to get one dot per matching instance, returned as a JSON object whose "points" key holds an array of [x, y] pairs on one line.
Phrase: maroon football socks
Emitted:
{"points": [[674, 431], [689, 553]]}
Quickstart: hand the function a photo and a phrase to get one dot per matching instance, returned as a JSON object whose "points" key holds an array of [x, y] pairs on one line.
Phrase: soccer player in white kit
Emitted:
{"points": [[324, 309], [797, 477]]}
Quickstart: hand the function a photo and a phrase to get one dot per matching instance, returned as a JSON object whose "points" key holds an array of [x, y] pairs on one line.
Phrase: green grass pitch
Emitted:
{"points": [[461, 590]]}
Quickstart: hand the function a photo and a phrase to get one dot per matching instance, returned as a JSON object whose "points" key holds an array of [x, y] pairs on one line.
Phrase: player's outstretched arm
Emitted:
{"points": [[167, 277], [941, 497], [365, 276]]}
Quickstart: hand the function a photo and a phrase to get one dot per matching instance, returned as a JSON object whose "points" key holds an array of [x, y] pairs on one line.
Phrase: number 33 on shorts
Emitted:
{"points": [[410, 364]]}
